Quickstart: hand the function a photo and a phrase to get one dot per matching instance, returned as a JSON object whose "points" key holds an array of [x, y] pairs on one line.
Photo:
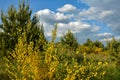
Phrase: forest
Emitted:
{"points": [[26, 54]]}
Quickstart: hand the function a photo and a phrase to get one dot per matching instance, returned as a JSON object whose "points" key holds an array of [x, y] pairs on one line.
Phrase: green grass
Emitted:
{"points": [[112, 73]]}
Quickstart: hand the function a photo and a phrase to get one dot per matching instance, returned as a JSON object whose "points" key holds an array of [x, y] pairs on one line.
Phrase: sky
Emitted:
{"points": [[94, 19]]}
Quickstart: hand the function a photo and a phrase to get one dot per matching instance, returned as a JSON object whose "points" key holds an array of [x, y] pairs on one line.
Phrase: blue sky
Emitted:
{"points": [[94, 19], [37, 5]]}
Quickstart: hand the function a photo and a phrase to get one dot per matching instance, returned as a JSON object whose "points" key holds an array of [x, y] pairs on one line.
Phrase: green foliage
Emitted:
{"points": [[23, 62], [112, 72], [69, 40], [27, 62], [91, 44], [98, 44], [88, 43], [32, 57], [113, 47], [17, 21]]}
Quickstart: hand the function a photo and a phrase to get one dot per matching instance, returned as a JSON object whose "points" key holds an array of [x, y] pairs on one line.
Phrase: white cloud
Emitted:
{"points": [[75, 26], [95, 13], [88, 12], [60, 16], [95, 29], [49, 16], [107, 11], [67, 8], [64, 21], [104, 34], [109, 39], [76, 21]]}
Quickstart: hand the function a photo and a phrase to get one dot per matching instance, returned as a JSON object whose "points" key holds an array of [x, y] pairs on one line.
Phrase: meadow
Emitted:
{"points": [[26, 54]]}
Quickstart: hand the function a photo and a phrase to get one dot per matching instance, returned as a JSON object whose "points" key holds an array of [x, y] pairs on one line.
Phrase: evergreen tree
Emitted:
{"points": [[88, 43], [15, 22], [37, 31], [18, 21], [98, 44], [70, 40]]}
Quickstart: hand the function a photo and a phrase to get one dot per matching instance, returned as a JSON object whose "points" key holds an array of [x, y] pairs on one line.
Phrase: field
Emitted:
{"points": [[26, 54]]}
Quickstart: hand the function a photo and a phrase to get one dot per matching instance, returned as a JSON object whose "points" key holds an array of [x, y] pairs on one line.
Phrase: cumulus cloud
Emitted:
{"points": [[65, 21], [95, 29], [67, 8], [48, 18], [51, 17], [76, 22], [109, 39], [107, 11], [104, 34], [96, 13], [75, 27]]}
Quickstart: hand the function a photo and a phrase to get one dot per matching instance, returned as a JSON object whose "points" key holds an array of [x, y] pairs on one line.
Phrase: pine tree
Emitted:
{"points": [[15, 22], [36, 33], [18, 21], [70, 40], [89, 43], [98, 44]]}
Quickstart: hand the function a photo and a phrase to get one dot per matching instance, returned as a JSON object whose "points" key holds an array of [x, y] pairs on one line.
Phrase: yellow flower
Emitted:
{"points": [[99, 63]]}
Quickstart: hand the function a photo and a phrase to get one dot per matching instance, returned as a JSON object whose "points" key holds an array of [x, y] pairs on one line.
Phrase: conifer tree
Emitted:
{"points": [[98, 44], [70, 40], [89, 43], [15, 22], [36, 33], [18, 21]]}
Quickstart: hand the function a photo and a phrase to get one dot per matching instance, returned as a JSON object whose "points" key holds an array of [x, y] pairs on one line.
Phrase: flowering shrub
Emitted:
{"points": [[23, 62], [84, 71], [28, 63]]}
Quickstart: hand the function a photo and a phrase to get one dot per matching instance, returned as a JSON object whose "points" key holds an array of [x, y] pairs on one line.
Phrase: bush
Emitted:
{"points": [[26, 62]]}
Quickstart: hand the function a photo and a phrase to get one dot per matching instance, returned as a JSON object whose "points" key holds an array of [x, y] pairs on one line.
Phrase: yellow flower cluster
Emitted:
{"points": [[84, 71], [23, 62], [51, 61], [28, 63]]}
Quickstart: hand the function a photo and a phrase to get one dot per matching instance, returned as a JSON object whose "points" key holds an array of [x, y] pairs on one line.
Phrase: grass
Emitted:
{"points": [[112, 73]]}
